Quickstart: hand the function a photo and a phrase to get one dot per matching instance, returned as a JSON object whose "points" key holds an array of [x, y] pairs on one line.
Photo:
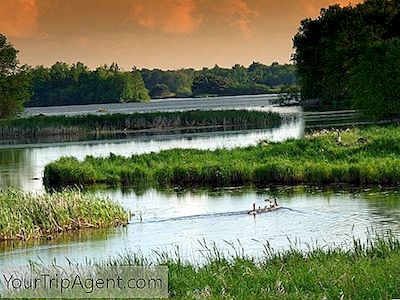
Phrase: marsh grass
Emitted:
{"points": [[25, 216], [365, 270], [364, 156], [94, 124]]}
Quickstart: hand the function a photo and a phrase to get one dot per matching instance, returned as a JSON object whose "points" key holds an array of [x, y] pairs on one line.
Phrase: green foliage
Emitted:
{"points": [[62, 84], [161, 90], [365, 156], [375, 81], [210, 84], [27, 216], [86, 124], [238, 80], [14, 87], [365, 270], [328, 47]]}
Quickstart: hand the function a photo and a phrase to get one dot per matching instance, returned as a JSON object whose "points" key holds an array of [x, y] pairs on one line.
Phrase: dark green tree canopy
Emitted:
{"points": [[62, 84], [13, 80], [8, 57], [375, 81], [327, 48]]}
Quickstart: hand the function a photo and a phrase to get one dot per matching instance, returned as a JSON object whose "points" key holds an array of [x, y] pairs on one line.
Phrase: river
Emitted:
{"points": [[167, 220]]}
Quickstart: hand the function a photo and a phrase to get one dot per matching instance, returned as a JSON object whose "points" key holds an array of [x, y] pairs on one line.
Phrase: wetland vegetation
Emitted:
{"points": [[358, 156], [108, 123], [364, 271], [25, 216]]}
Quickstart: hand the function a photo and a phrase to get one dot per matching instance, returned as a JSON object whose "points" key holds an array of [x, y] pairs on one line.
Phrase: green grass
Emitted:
{"points": [[92, 124], [365, 156], [365, 271], [25, 216]]}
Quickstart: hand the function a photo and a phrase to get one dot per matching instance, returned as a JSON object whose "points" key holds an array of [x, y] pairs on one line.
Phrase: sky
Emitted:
{"points": [[163, 34]]}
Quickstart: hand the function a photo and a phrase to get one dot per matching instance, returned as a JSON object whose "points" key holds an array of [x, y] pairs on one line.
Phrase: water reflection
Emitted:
{"points": [[167, 219], [22, 165]]}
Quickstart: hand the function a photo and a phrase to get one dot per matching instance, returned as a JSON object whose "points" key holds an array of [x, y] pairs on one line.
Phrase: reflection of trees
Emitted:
{"points": [[15, 167]]}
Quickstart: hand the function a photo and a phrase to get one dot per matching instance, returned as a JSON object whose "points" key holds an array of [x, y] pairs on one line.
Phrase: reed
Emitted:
{"points": [[367, 156], [25, 216], [367, 270], [94, 124]]}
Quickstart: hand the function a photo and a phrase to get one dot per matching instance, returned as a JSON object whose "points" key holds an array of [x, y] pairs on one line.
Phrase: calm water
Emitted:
{"points": [[169, 219], [22, 165], [187, 218]]}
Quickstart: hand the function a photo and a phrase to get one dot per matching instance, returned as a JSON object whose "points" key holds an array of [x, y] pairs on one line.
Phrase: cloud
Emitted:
{"points": [[239, 15], [19, 18], [313, 7], [174, 16]]}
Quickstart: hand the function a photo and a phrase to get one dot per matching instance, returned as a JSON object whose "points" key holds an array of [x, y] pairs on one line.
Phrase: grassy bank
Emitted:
{"points": [[26, 216], [366, 271], [359, 156], [93, 124]]}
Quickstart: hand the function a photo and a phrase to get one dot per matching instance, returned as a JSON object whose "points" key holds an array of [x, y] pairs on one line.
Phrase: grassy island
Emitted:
{"points": [[26, 216], [353, 156], [109, 123]]}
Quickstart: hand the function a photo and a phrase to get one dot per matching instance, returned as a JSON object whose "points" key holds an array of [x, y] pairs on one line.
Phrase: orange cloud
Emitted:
{"points": [[239, 15], [174, 16], [19, 18], [313, 7]]}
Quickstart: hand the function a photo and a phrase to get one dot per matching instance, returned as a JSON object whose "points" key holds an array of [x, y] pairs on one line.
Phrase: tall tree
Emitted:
{"points": [[14, 86], [375, 81], [328, 47]]}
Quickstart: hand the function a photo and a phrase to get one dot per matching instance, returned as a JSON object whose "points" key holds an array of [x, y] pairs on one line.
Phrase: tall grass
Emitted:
{"points": [[364, 156], [92, 124], [26, 216], [365, 271]]}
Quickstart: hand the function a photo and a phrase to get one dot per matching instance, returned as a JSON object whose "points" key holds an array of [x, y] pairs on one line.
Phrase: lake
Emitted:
{"points": [[167, 220]]}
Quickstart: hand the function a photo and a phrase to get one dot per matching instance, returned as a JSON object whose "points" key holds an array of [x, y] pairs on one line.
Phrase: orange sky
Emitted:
{"points": [[166, 34]]}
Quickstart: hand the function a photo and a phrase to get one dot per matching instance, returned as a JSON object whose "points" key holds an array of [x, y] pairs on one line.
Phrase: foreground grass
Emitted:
{"points": [[363, 156], [26, 216], [366, 271], [92, 124]]}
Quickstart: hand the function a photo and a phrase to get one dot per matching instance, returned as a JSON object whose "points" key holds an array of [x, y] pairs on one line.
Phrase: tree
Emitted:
{"points": [[210, 84], [328, 47], [375, 81], [14, 86], [160, 90]]}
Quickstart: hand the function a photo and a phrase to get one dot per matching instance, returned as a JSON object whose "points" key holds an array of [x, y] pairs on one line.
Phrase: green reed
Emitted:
{"points": [[106, 123], [363, 156], [26, 216], [364, 270]]}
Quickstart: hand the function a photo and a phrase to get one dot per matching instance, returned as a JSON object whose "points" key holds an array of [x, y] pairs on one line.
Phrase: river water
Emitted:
{"points": [[169, 219]]}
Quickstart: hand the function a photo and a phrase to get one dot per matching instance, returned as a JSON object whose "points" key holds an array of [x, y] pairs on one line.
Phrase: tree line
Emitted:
{"points": [[64, 84], [350, 57]]}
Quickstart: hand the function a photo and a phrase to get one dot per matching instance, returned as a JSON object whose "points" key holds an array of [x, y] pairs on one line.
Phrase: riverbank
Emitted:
{"points": [[363, 271], [354, 156], [114, 123], [25, 216]]}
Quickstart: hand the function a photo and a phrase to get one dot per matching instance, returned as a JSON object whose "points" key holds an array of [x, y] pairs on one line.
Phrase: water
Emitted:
{"points": [[22, 165], [165, 219], [169, 219]]}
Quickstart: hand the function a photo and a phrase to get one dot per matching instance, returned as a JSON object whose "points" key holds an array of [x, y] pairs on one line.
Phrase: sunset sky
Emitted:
{"points": [[165, 34]]}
